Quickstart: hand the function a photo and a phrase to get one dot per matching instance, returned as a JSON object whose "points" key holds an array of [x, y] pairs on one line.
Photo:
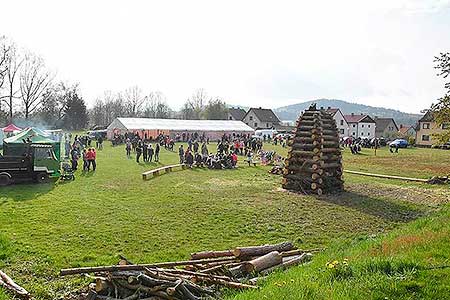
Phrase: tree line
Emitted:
{"points": [[31, 94], [133, 103]]}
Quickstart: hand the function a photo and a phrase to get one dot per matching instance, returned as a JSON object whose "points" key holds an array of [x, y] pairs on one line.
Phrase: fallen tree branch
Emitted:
{"points": [[10, 285]]}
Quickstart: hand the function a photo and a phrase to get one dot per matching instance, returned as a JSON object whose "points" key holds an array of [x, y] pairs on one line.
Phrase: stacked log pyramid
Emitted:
{"points": [[314, 163]]}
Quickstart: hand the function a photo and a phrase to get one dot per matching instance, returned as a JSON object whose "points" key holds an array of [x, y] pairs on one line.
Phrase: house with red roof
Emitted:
{"points": [[361, 126]]}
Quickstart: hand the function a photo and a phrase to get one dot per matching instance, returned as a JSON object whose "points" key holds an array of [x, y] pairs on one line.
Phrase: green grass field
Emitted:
{"points": [[100, 215]]}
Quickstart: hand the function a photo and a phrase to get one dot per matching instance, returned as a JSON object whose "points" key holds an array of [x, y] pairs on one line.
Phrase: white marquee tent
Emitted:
{"points": [[213, 129]]}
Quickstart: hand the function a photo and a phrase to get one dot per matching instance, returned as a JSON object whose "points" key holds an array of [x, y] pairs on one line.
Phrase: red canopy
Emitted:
{"points": [[11, 128]]}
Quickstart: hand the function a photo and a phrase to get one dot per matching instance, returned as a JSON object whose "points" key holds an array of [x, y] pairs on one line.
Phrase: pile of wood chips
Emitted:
{"points": [[201, 277]]}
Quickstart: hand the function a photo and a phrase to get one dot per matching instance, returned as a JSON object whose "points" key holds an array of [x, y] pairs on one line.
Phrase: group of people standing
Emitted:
{"points": [[80, 148], [143, 149]]}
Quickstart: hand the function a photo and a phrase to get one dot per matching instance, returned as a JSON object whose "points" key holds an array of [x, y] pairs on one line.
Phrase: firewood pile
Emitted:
{"points": [[314, 162], [439, 180], [201, 277]]}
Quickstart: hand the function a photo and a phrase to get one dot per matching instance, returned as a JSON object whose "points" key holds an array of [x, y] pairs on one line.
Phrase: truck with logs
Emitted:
{"points": [[38, 163]]}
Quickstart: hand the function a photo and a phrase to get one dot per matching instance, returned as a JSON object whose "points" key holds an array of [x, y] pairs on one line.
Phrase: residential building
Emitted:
{"points": [[260, 118], [360, 126], [426, 128], [407, 131], [235, 114], [341, 123], [386, 128]]}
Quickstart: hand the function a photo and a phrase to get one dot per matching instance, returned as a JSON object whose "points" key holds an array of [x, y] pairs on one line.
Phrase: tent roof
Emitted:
{"points": [[11, 127], [31, 133], [181, 125]]}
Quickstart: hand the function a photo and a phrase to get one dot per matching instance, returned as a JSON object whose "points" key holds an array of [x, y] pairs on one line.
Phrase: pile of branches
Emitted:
{"points": [[201, 277], [439, 180]]}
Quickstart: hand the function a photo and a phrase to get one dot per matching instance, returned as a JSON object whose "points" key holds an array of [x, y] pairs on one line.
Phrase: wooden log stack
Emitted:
{"points": [[314, 162], [201, 277]]}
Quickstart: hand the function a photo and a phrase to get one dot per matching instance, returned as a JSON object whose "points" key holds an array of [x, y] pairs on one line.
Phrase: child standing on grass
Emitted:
{"points": [[249, 158], [128, 148], [150, 153]]}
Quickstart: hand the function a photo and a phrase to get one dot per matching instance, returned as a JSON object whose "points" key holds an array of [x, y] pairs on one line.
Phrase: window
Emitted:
{"points": [[256, 124], [426, 126], [267, 125], [362, 125], [342, 122], [251, 118], [341, 130], [354, 125], [446, 126], [425, 137], [368, 125], [368, 134], [231, 118], [353, 133]]}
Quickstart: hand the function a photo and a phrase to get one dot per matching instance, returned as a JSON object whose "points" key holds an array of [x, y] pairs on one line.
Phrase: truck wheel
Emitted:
{"points": [[4, 180], [42, 178]]}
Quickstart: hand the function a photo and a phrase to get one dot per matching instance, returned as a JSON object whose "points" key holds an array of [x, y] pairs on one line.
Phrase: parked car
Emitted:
{"points": [[445, 146], [401, 143]]}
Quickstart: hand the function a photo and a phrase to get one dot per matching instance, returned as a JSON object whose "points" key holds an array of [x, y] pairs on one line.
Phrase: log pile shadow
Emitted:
{"points": [[391, 210]]}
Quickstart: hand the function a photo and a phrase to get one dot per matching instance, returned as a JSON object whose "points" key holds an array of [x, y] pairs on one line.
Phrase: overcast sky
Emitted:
{"points": [[251, 53]]}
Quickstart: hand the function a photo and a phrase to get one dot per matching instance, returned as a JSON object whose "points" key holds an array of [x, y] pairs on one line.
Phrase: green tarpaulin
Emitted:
{"points": [[15, 145]]}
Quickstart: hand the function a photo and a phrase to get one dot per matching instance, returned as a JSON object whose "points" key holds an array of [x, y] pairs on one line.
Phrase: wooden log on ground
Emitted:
{"points": [[262, 250], [304, 257], [83, 270], [9, 284], [386, 176], [211, 254], [263, 262]]}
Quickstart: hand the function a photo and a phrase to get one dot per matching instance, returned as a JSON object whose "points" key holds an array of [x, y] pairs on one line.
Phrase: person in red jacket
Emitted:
{"points": [[94, 159], [91, 157]]}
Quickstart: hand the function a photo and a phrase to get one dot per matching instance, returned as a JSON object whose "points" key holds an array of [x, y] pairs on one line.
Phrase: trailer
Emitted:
{"points": [[38, 164]]}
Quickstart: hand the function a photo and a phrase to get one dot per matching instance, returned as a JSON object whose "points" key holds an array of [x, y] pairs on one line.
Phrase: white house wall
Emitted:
{"points": [[362, 130], [341, 124]]}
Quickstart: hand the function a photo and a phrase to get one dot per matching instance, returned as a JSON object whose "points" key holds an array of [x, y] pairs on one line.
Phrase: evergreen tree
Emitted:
{"points": [[76, 116]]}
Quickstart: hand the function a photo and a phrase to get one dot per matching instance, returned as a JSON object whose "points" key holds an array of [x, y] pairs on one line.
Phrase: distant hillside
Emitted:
{"points": [[291, 112]]}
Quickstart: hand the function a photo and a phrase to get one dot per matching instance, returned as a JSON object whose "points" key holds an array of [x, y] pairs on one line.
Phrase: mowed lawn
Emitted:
{"points": [[100, 215]]}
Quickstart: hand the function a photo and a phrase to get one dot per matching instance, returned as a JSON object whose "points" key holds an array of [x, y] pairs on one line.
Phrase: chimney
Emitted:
{"points": [[260, 107], [353, 114], [321, 107], [362, 114], [329, 107], [401, 125]]}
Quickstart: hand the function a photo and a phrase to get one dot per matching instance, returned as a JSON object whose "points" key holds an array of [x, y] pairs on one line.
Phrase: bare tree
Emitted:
{"points": [[4, 53], [13, 63], [134, 101], [55, 100], [34, 80], [193, 108], [156, 106]]}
